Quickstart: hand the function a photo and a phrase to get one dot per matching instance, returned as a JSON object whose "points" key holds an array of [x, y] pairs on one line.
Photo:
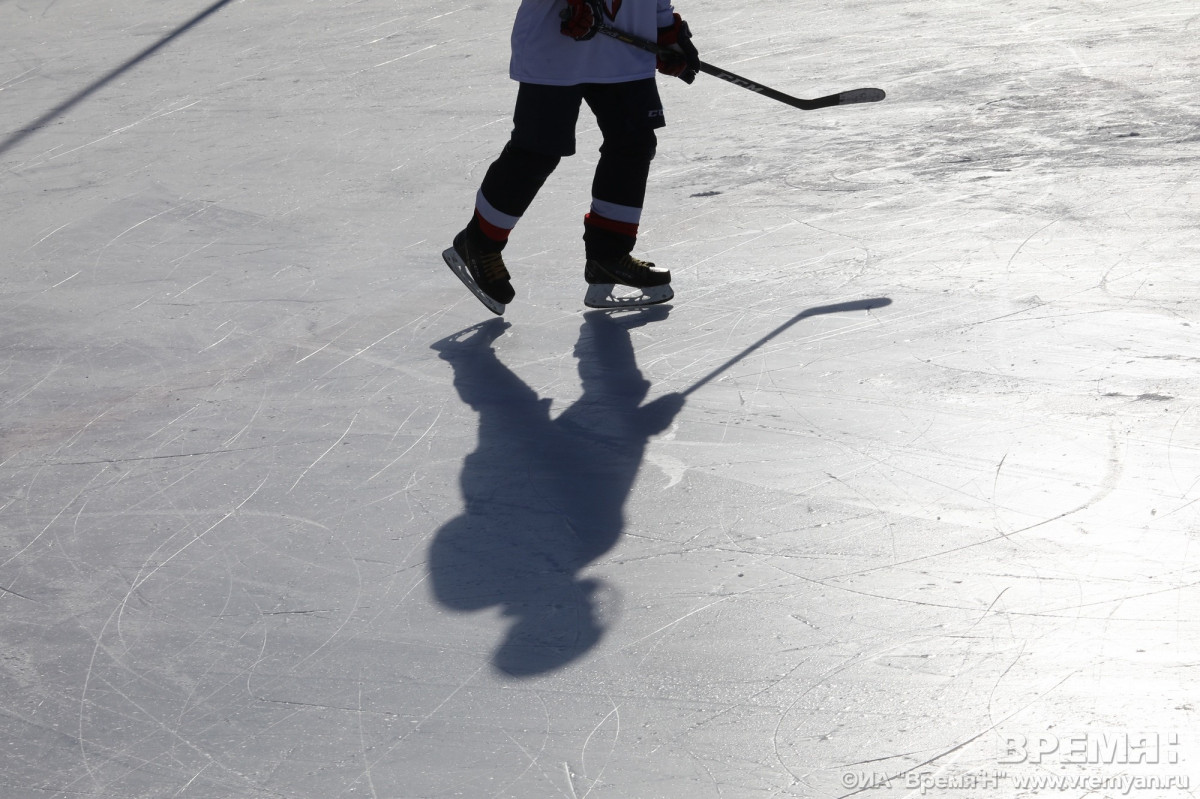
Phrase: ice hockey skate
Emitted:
{"points": [[482, 271], [650, 285]]}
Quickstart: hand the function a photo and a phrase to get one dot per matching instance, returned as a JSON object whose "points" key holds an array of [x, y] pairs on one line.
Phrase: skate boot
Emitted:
{"points": [[481, 269], [603, 275]]}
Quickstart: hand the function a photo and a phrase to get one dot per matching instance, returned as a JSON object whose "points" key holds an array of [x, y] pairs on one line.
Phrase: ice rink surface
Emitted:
{"points": [[900, 496]]}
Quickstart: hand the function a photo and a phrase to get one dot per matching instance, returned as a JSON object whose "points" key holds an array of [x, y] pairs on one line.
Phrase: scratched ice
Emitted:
{"points": [[898, 496]]}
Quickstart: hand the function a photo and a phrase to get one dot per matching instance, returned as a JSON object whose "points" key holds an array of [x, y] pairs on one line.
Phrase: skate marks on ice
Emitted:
{"points": [[65, 106], [545, 497]]}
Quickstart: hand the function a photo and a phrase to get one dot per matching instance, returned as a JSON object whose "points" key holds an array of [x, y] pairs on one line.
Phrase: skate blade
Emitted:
{"points": [[459, 267], [602, 295]]}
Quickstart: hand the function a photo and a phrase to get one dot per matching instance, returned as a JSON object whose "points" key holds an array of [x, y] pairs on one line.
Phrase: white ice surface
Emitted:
{"points": [[957, 509]]}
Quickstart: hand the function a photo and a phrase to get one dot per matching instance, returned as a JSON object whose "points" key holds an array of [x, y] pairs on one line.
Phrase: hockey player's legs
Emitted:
{"points": [[543, 132], [509, 186], [545, 118], [627, 114], [618, 193], [624, 108]]}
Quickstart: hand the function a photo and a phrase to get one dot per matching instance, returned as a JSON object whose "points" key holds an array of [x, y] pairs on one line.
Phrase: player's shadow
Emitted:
{"points": [[544, 496]]}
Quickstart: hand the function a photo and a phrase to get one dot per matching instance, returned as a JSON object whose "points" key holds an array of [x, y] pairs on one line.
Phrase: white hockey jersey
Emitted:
{"points": [[542, 54]]}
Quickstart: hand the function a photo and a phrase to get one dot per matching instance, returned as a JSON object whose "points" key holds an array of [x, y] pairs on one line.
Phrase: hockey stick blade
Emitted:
{"points": [[841, 98], [861, 96]]}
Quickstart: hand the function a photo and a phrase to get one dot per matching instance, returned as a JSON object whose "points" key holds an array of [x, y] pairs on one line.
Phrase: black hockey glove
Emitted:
{"points": [[683, 61], [581, 19]]}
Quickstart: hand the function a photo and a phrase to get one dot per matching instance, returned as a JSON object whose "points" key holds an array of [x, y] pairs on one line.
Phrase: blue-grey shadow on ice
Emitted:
{"points": [[544, 497]]}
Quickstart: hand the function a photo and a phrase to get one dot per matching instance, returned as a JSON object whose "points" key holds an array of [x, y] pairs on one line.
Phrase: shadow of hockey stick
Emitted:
{"points": [[841, 307], [66, 105]]}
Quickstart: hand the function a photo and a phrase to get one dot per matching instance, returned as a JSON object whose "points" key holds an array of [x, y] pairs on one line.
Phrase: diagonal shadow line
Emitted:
{"points": [[820, 310], [65, 106]]}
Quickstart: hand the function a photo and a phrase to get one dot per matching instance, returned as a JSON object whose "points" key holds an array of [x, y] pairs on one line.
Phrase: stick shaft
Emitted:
{"points": [[841, 98]]}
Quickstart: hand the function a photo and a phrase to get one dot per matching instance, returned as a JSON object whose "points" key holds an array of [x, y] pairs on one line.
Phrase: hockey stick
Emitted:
{"points": [[841, 98], [841, 307]]}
